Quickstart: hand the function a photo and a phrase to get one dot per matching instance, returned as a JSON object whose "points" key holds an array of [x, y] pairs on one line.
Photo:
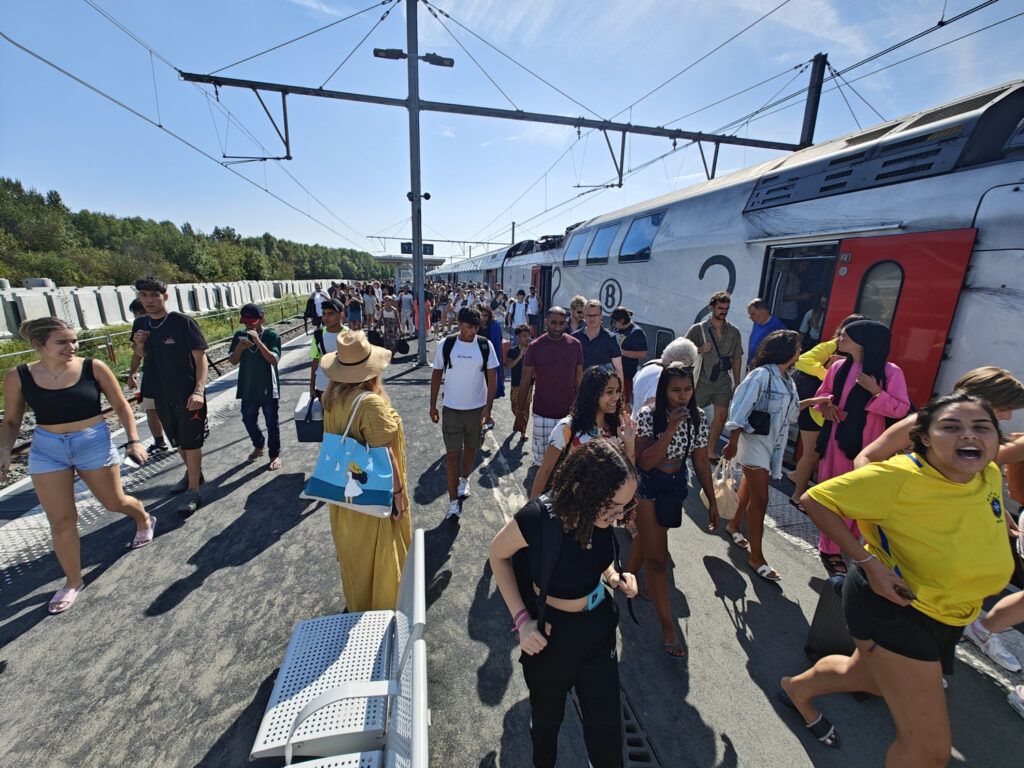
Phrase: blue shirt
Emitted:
{"points": [[760, 331]]}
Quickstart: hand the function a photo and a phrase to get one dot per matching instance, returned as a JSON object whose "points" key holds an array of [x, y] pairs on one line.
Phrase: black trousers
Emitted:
{"points": [[580, 654]]}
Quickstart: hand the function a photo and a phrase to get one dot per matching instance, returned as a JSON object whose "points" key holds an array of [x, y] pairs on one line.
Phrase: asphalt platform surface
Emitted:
{"points": [[169, 655]]}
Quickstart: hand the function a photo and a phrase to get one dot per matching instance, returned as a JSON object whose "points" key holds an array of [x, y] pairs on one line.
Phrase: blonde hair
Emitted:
{"points": [[997, 385], [36, 332], [577, 301], [338, 392]]}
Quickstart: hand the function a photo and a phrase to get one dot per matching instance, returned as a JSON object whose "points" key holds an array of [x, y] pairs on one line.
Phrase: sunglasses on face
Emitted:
{"points": [[627, 508]]}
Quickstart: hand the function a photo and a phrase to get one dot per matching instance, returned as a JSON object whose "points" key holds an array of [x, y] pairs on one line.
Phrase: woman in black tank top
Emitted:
{"points": [[570, 556], [64, 390]]}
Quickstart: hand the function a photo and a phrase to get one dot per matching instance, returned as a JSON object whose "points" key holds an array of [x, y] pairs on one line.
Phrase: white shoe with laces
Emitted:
{"points": [[463, 487], [991, 646], [453, 509]]}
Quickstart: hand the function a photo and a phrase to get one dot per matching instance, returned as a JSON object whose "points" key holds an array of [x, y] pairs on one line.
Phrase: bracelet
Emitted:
{"points": [[861, 562], [131, 442], [521, 618], [398, 491], [516, 617], [198, 392]]}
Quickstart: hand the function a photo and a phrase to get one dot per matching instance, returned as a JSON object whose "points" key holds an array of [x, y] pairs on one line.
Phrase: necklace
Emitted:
{"points": [[154, 327], [54, 375]]}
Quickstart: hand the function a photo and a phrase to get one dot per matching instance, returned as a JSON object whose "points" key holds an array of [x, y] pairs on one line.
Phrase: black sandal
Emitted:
{"points": [[834, 563], [821, 728]]}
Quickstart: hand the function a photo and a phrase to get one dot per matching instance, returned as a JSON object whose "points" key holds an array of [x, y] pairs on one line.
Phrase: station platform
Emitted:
{"points": [[169, 655]]}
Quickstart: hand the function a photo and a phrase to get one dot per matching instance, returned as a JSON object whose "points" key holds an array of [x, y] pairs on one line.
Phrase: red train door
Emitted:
{"points": [[911, 283]]}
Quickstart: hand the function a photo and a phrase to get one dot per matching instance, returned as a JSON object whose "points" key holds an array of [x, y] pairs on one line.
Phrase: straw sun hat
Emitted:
{"points": [[356, 359]]}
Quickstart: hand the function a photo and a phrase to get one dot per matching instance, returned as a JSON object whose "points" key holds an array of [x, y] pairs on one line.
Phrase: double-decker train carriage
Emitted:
{"points": [[918, 223]]}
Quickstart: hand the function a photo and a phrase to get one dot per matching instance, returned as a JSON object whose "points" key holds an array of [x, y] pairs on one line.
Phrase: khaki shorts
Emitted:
{"points": [[708, 396], [461, 429]]}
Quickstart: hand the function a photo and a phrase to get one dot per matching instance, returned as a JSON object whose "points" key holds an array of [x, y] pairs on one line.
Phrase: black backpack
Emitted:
{"points": [[310, 308], [449, 345], [318, 337]]}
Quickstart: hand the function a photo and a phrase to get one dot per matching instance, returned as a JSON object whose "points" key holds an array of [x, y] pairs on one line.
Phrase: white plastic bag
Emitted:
{"points": [[725, 494]]}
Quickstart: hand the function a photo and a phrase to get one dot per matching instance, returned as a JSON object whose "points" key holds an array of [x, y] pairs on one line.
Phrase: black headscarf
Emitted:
{"points": [[875, 338]]}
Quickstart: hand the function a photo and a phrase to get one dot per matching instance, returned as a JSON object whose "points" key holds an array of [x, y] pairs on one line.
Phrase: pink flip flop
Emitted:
{"points": [[64, 597], [142, 538]]}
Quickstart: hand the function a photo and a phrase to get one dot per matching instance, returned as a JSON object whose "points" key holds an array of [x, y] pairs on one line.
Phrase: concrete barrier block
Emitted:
{"points": [[202, 299], [211, 296], [58, 304], [126, 294], [187, 299], [87, 305], [11, 312], [110, 306], [172, 304]]}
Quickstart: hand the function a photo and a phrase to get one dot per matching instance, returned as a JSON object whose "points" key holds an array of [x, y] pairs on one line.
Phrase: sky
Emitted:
{"points": [[347, 182]]}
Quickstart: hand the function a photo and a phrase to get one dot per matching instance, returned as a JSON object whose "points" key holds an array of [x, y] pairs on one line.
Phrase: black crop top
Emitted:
{"points": [[577, 570], [62, 406]]}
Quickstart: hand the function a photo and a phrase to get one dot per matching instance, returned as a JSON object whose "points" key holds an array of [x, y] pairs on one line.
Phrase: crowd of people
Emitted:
{"points": [[909, 503]]}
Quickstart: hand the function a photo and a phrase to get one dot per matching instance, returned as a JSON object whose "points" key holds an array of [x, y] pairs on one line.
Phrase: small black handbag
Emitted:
{"points": [[761, 421]]}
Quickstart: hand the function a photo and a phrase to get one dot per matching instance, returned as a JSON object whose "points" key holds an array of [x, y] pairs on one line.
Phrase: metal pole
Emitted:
{"points": [[411, 8], [813, 97], [513, 233]]}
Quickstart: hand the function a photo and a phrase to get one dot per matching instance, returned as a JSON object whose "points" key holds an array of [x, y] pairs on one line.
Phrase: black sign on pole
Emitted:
{"points": [[428, 249], [407, 248]]}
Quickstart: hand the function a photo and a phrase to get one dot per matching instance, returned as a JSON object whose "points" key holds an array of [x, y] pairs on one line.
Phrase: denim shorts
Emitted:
{"points": [[89, 448]]}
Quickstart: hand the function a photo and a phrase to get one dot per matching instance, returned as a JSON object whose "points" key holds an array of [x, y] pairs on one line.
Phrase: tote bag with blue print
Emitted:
{"points": [[352, 475]]}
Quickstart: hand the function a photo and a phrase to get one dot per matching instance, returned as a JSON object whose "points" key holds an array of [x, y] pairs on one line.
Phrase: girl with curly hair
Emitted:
{"points": [[668, 432], [594, 488], [596, 413]]}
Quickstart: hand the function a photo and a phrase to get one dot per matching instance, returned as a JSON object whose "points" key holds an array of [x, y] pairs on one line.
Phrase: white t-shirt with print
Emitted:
{"points": [[465, 384]]}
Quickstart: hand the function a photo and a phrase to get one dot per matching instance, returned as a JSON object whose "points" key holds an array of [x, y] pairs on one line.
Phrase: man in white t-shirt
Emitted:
{"points": [[325, 340], [533, 310], [405, 309], [469, 366], [515, 315]]}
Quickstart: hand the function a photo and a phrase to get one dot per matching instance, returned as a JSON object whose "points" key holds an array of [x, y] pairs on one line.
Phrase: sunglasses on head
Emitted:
{"points": [[679, 369]]}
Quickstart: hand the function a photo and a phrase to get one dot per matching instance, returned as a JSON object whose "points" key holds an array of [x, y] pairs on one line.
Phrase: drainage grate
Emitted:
{"points": [[637, 749]]}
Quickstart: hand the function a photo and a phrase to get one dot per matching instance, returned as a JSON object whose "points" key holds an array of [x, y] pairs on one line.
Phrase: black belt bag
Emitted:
{"points": [[760, 421]]}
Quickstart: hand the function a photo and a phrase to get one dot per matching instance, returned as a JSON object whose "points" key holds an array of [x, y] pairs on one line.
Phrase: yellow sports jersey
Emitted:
{"points": [[947, 539]]}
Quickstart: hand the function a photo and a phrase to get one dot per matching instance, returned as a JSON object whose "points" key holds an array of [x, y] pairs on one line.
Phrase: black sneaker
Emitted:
{"points": [[190, 502], [181, 485], [157, 447]]}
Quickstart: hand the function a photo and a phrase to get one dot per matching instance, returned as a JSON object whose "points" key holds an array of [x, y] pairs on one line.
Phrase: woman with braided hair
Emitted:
{"points": [[593, 489], [865, 390]]}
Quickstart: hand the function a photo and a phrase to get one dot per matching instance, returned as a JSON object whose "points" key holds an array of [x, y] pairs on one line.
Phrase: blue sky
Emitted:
{"points": [[482, 174]]}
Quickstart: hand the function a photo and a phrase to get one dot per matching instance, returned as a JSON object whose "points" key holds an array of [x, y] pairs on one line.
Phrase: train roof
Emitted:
{"points": [[980, 128]]}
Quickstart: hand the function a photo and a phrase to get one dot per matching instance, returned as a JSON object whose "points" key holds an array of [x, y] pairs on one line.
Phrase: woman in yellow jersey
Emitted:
{"points": [[936, 546], [371, 550], [811, 368]]}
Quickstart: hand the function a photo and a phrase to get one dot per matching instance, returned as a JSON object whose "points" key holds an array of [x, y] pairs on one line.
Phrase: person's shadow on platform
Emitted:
{"points": [[487, 623], [261, 524]]}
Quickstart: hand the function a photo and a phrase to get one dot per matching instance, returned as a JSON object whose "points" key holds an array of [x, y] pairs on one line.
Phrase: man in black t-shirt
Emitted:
{"points": [[175, 356], [633, 343]]}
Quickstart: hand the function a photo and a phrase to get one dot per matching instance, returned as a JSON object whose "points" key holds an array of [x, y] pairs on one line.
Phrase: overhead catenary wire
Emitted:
{"points": [[300, 37], [228, 115], [857, 93], [510, 58], [358, 46], [471, 57]]}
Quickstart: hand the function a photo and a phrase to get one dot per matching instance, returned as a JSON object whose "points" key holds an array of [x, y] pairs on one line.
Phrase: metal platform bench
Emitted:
{"points": [[355, 685]]}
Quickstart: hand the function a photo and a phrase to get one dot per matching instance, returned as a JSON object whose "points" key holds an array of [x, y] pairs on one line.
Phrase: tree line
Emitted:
{"points": [[41, 237]]}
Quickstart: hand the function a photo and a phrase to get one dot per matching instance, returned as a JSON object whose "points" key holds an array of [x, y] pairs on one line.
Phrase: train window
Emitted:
{"points": [[573, 249], [880, 292], [663, 339], [598, 251], [637, 245]]}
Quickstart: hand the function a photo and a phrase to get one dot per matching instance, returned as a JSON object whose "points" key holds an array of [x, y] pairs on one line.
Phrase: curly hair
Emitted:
{"points": [[583, 413], [585, 482]]}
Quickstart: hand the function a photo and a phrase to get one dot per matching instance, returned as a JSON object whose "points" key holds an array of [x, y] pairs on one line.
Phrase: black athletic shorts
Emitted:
{"points": [[900, 629], [185, 429]]}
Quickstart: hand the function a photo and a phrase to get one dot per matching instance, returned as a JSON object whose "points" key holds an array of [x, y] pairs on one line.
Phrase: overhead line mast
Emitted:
{"points": [[415, 105]]}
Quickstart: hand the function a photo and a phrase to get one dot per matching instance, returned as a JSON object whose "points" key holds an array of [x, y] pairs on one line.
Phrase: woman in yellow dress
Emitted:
{"points": [[371, 550]]}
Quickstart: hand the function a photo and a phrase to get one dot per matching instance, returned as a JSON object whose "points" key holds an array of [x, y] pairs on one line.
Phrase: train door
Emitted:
{"points": [[540, 278], [912, 284]]}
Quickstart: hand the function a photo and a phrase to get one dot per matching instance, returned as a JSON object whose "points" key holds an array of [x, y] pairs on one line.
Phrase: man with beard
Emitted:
{"points": [[555, 362]]}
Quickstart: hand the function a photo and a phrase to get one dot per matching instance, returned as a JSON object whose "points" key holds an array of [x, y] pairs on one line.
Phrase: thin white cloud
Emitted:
{"points": [[536, 134], [316, 5], [448, 133]]}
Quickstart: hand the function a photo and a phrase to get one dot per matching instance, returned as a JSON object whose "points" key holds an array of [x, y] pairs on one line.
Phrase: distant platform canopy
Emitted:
{"points": [[406, 261]]}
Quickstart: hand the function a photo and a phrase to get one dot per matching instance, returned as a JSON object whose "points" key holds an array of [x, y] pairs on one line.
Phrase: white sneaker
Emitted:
{"points": [[463, 487], [453, 509], [991, 646], [1016, 699]]}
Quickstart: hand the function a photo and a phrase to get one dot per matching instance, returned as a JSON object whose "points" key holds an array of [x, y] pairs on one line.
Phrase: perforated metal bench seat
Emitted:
{"points": [[347, 651], [355, 760]]}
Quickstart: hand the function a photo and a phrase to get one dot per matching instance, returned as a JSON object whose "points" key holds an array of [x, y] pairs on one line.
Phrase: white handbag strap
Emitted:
{"points": [[355, 407]]}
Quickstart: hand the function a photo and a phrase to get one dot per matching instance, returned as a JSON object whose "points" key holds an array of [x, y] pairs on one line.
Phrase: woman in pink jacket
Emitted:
{"points": [[866, 390]]}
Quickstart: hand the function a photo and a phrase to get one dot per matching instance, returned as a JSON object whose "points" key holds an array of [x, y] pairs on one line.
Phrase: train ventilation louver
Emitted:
{"points": [[864, 138], [914, 169], [956, 108]]}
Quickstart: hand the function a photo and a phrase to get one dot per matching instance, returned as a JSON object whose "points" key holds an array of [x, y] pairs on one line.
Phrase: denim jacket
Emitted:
{"points": [[783, 405]]}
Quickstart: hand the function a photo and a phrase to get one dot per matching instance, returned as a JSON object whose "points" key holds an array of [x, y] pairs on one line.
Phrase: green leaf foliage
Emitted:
{"points": [[40, 237]]}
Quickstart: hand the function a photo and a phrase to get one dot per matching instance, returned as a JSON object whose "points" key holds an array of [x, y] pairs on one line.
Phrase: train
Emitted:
{"points": [[917, 222]]}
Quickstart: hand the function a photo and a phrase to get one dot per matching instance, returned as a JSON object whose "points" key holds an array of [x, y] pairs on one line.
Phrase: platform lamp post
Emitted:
{"points": [[415, 196]]}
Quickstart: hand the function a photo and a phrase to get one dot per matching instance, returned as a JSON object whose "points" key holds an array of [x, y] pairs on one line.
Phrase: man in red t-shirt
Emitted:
{"points": [[555, 362]]}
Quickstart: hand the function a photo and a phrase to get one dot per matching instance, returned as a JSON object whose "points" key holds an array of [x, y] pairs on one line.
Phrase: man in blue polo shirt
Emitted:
{"points": [[599, 346], [764, 323]]}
